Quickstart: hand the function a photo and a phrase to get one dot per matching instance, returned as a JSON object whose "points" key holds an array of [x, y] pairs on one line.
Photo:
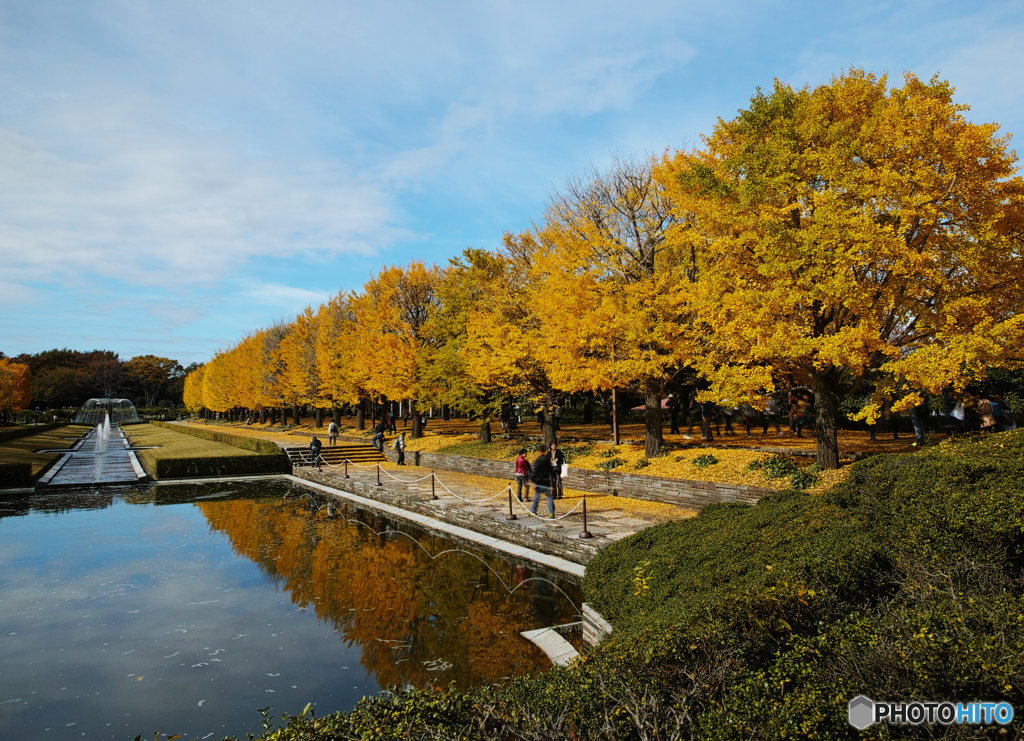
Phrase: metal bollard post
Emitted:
{"points": [[346, 468], [378, 476], [510, 515], [433, 494], [586, 533]]}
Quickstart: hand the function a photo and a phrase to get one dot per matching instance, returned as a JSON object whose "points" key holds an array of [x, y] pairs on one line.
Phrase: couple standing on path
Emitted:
{"points": [[545, 473]]}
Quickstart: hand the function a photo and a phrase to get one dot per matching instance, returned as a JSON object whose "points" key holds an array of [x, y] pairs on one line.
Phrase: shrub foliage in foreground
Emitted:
{"points": [[762, 622]]}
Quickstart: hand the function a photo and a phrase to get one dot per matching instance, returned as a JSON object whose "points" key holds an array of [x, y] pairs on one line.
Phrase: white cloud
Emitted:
{"points": [[160, 207]]}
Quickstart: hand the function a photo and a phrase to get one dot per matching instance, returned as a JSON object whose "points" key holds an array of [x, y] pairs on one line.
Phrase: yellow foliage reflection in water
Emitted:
{"points": [[421, 612]]}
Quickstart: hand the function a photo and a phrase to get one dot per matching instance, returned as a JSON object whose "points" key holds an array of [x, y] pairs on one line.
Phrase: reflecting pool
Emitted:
{"points": [[186, 609]]}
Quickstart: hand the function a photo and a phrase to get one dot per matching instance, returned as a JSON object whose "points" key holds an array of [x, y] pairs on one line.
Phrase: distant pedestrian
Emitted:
{"points": [[378, 435], [919, 414], [314, 453], [332, 432], [1005, 416], [557, 461], [987, 418], [708, 412], [522, 475], [673, 405], [540, 475], [400, 447]]}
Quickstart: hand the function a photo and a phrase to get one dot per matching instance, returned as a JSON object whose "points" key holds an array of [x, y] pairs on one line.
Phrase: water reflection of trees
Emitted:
{"points": [[421, 611]]}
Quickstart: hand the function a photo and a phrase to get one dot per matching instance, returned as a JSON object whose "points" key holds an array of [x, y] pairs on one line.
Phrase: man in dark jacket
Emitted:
{"points": [[314, 453], [540, 474]]}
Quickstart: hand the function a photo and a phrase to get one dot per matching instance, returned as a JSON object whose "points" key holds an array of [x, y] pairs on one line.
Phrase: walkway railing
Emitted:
{"points": [[319, 462]]}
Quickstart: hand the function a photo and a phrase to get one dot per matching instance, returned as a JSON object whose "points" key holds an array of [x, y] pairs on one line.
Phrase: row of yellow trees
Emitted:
{"points": [[823, 236]]}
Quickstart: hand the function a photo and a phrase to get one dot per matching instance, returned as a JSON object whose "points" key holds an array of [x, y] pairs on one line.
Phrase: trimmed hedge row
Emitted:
{"points": [[256, 445], [15, 474], [14, 433], [760, 622], [231, 465]]}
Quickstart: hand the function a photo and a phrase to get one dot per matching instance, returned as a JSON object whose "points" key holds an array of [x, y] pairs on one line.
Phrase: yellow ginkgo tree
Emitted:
{"points": [[610, 288], [15, 387], [853, 231]]}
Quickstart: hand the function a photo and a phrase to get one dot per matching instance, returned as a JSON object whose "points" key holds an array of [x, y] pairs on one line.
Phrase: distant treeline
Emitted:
{"points": [[62, 378]]}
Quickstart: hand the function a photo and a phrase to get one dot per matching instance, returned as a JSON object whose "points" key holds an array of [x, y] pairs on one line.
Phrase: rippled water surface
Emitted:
{"points": [[185, 609]]}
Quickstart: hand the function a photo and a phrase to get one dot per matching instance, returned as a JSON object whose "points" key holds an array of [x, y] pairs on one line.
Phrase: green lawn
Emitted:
{"points": [[175, 445], [23, 449]]}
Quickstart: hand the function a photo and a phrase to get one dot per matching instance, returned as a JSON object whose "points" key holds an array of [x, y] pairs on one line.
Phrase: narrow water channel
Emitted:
{"points": [[186, 609]]}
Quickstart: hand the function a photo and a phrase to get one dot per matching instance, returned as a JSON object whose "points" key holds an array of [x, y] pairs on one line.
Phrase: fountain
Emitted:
{"points": [[95, 462], [108, 411]]}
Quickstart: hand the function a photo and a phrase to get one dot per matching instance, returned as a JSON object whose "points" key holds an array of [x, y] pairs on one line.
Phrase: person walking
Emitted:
{"points": [[522, 475], [674, 404], [1005, 415], [400, 447], [314, 453], [378, 435], [987, 418], [332, 432], [557, 461], [540, 475]]}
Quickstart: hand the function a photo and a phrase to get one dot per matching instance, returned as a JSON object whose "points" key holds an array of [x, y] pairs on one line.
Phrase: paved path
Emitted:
{"points": [[481, 503]]}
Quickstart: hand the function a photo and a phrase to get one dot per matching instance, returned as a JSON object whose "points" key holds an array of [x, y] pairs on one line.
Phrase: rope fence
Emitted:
{"points": [[433, 479]]}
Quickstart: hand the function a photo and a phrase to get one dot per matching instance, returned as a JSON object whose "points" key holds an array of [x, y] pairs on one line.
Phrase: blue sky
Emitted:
{"points": [[176, 174]]}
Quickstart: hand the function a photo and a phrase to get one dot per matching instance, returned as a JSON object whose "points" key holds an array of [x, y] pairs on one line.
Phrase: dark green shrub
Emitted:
{"points": [[703, 461], [575, 451], [608, 465], [240, 465], [15, 474], [13, 433], [904, 582], [774, 467], [804, 480], [642, 463]]}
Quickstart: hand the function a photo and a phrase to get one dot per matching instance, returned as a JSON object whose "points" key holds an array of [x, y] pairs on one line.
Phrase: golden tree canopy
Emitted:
{"points": [[853, 229], [15, 385]]}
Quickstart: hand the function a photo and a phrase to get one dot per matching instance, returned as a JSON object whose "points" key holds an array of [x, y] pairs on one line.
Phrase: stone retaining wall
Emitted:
{"points": [[695, 494], [562, 543]]}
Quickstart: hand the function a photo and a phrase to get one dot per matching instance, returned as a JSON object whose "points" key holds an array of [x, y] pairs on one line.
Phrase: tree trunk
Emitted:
{"points": [[485, 431], [298, 414], [588, 411], [319, 418], [417, 428], [446, 413], [652, 404], [550, 434], [361, 415], [826, 406], [284, 415]]}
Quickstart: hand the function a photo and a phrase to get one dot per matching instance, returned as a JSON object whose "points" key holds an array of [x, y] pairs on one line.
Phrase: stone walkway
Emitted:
{"points": [[481, 504]]}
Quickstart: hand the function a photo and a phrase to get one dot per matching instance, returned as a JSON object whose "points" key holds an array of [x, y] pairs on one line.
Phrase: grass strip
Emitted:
{"points": [[22, 449]]}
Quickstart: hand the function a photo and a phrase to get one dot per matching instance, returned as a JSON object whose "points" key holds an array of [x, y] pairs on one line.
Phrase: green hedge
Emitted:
{"points": [[15, 474], [905, 582], [14, 433], [232, 465], [255, 444]]}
